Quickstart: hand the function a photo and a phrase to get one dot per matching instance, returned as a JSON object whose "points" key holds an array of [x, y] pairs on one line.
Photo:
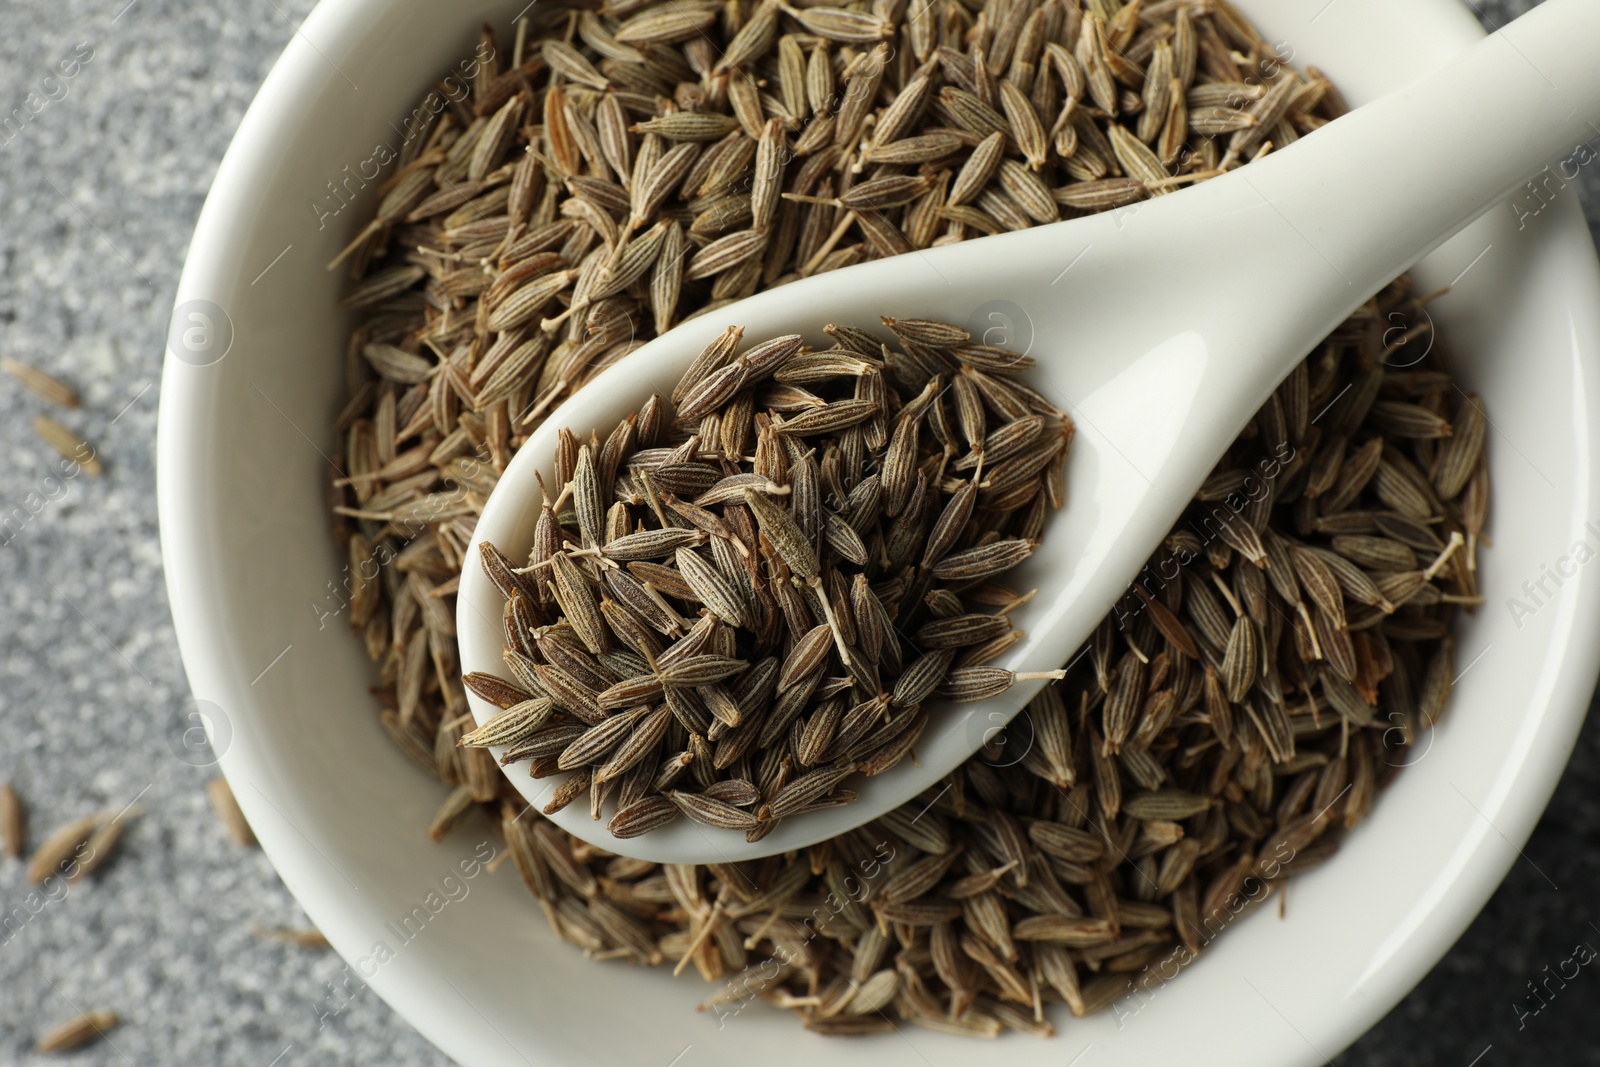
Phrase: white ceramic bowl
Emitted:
{"points": [[253, 377]]}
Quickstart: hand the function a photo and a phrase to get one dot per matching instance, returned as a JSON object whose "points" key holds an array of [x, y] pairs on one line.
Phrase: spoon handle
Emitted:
{"points": [[1378, 189]]}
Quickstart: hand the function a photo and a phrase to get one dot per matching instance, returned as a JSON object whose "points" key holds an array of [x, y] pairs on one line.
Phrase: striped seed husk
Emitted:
{"points": [[227, 809], [68, 443], [77, 1031], [13, 822], [46, 386]]}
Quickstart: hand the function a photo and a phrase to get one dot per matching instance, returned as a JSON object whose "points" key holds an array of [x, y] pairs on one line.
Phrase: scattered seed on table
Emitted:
{"points": [[46, 386], [77, 1031], [227, 809]]}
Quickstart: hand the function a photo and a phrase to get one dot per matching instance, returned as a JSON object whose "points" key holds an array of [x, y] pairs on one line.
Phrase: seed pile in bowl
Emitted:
{"points": [[867, 511], [1236, 714]]}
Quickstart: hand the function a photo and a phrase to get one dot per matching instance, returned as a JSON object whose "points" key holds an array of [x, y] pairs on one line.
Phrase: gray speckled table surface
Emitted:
{"points": [[101, 190]]}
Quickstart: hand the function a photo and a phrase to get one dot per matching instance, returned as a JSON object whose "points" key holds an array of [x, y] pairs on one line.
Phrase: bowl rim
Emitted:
{"points": [[187, 416]]}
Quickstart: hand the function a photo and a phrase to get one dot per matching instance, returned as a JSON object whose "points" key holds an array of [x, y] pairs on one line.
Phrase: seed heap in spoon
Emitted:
{"points": [[748, 594]]}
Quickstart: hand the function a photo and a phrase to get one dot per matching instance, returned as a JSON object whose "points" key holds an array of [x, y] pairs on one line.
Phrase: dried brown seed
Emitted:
{"points": [[510, 726], [13, 822], [46, 386], [648, 814], [983, 561], [712, 812], [227, 809], [77, 1031], [62, 852], [301, 937], [68, 443], [710, 587]]}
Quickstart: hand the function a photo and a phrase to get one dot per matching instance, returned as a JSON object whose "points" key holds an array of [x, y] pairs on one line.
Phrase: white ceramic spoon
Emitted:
{"points": [[1160, 327]]}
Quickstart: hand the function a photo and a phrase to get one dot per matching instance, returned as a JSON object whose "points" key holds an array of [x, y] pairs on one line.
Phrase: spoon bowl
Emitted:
{"points": [[1159, 328]]}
